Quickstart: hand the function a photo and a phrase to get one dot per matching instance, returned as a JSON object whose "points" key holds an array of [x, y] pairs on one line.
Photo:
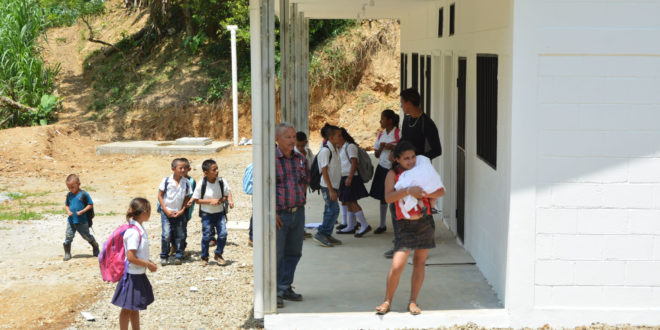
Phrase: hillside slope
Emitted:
{"points": [[162, 102]]}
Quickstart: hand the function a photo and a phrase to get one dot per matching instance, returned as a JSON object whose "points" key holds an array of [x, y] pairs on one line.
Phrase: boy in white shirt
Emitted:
{"points": [[173, 195], [213, 197], [330, 168]]}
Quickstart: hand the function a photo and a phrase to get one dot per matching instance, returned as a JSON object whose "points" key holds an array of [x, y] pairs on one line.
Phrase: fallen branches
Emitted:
{"points": [[7, 101]]}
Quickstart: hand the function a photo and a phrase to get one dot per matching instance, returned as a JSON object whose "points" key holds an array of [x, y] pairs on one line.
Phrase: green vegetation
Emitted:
{"points": [[23, 195], [180, 35], [20, 215], [24, 78]]}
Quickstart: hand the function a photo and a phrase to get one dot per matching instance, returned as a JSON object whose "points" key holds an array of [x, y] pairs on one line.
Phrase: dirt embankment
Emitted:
{"points": [[165, 107]]}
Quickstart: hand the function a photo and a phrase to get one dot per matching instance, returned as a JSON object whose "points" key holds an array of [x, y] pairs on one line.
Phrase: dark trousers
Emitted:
{"points": [[289, 247]]}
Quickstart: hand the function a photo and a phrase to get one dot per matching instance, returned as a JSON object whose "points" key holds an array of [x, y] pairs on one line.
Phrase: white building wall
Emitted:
{"points": [[482, 26], [587, 101]]}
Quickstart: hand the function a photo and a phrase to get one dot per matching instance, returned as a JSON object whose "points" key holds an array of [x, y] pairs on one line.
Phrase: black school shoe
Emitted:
{"points": [[339, 227], [352, 231], [280, 302], [380, 230], [364, 232], [290, 295]]}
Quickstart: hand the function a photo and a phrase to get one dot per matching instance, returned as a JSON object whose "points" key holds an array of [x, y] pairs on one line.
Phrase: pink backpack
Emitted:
{"points": [[113, 257]]}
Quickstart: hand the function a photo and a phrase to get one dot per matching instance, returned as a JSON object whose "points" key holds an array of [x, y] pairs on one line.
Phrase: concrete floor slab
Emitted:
{"points": [[345, 283], [160, 148]]}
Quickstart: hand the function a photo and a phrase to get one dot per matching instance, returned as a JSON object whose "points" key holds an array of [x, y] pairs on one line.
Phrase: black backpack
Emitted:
{"points": [[225, 204], [315, 174]]}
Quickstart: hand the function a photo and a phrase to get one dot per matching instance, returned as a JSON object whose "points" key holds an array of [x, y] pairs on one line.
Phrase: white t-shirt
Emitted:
{"points": [[348, 151], [175, 194], [333, 164], [309, 156], [385, 137], [212, 192], [132, 242]]}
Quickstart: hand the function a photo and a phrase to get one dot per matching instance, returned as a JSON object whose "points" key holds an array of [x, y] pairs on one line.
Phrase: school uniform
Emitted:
{"points": [[173, 228], [213, 216], [329, 157], [309, 155], [384, 164], [356, 190], [134, 292]]}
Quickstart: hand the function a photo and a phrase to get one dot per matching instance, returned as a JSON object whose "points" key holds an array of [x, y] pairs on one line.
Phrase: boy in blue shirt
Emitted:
{"points": [[78, 203]]}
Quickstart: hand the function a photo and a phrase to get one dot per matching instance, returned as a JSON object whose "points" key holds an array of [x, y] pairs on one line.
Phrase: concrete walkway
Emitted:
{"points": [[342, 285]]}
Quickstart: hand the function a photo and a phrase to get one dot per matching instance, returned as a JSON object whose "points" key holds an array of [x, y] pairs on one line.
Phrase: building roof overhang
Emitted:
{"points": [[353, 9]]}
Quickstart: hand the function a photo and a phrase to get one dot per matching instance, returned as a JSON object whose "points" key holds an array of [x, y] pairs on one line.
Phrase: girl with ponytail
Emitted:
{"points": [[385, 143], [134, 292]]}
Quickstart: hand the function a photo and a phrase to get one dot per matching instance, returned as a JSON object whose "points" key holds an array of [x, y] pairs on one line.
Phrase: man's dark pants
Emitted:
{"points": [[289, 247]]}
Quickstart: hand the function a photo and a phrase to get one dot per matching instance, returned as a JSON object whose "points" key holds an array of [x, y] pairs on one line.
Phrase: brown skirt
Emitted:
{"points": [[415, 234]]}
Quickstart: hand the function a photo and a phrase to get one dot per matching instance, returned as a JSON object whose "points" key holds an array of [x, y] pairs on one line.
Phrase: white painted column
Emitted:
{"points": [[299, 71], [285, 105], [262, 51], [294, 64], [305, 112], [234, 81]]}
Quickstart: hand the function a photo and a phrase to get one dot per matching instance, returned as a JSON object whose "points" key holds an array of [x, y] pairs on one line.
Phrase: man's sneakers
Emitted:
{"points": [[205, 261], [218, 258], [322, 240], [178, 261], [163, 261], [289, 294]]}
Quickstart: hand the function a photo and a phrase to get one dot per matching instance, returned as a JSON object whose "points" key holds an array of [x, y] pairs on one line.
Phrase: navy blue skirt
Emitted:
{"points": [[356, 191], [133, 292], [378, 183]]}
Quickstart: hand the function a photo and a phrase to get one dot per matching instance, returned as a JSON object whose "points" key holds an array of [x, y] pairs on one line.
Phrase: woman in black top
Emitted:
{"points": [[418, 128]]}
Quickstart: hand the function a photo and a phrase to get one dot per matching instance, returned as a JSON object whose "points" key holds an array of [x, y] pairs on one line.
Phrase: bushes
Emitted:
{"points": [[24, 77]]}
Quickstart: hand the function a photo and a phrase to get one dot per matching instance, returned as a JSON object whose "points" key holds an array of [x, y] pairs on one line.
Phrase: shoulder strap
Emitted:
{"points": [[167, 181], [397, 135], [139, 233], [84, 197], [222, 187], [201, 195], [380, 134]]}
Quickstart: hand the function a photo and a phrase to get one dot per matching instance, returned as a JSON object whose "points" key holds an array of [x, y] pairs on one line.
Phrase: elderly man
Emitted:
{"points": [[292, 176]]}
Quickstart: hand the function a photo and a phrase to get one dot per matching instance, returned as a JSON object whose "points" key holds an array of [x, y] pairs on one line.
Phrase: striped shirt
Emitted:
{"points": [[292, 176]]}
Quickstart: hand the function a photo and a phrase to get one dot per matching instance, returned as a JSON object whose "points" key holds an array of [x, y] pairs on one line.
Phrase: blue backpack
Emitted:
{"points": [[247, 180]]}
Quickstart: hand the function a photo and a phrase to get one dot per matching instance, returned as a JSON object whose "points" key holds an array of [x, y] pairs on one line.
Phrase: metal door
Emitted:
{"points": [[460, 149]]}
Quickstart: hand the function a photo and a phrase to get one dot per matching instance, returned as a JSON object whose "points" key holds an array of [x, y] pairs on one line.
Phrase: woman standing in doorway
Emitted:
{"points": [[413, 233]]}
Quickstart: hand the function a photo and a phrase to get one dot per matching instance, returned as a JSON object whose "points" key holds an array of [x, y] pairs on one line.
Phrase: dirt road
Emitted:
{"points": [[39, 290]]}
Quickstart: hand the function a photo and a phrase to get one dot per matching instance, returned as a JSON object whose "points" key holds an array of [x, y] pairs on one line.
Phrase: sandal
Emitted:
{"points": [[380, 310], [416, 310]]}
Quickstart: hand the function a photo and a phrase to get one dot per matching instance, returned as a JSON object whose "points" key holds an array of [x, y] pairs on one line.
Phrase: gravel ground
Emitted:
{"points": [[224, 296]]}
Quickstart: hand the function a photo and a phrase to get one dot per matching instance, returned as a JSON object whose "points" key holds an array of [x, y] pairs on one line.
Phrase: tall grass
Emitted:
{"points": [[23, 75]]}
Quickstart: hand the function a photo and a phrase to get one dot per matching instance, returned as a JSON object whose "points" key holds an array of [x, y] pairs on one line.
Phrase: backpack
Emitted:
{"points": [[167, 181], [112, 258], [225, 204], [90, 214], [315, 174], [364, 166], [247, 180]]}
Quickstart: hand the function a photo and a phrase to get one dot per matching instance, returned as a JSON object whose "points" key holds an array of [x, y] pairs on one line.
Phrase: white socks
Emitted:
{"points": [[351, 222], [344, 214], [383, 214], [363, 221]]}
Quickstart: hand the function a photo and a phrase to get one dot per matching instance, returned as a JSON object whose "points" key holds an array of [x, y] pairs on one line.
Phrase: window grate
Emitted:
{"points": [[452, 20], [487, 108]]}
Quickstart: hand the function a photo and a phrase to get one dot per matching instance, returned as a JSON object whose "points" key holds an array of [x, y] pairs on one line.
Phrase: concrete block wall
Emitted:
{"points": [[598, 157]]}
